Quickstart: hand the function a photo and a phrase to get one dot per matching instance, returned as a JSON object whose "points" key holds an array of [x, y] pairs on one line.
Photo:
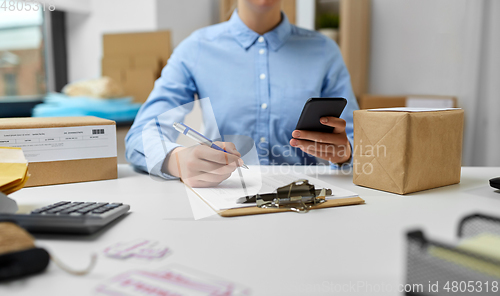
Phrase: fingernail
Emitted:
{"points": [[324, 120], [293, 142], [240, 162], [296, 134]]}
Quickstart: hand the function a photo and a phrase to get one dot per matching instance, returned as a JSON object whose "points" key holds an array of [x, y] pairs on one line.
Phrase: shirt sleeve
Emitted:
{"points": [[337, 83], [152, 137]]}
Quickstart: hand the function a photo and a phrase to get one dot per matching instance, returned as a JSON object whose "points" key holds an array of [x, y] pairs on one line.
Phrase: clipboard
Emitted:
{"points": [[256, 210], [289, 193]]}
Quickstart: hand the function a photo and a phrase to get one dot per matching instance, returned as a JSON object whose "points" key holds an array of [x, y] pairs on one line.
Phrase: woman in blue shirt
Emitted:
{"points": [[258, 71]]}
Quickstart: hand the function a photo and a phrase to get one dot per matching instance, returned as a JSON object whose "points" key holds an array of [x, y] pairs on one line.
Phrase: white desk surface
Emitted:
{"points": [[325, 252]]}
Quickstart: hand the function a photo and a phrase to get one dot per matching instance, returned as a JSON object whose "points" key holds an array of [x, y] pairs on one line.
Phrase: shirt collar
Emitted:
{"points": [[246, 37]]}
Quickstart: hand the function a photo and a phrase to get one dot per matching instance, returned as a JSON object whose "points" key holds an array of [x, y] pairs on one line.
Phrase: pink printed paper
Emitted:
{"points": [[173, 281], [141, 248]]}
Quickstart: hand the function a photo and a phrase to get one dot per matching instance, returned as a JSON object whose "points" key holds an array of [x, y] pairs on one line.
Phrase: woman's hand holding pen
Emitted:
{"points": [[202, 166], [333, 147]]}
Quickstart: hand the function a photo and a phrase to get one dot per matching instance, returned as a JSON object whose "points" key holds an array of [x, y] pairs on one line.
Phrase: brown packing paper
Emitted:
{"points": [[67, 171], [404, 152]]}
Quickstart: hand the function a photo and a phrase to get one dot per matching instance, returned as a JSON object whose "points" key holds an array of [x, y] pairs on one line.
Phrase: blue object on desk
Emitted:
{"points": [[57, 105]]}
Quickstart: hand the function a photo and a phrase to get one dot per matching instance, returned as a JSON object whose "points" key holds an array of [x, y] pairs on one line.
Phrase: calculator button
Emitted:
{"points": [[101, 210], [68, 211], [54, 211], [61, 203], [90, 208]]}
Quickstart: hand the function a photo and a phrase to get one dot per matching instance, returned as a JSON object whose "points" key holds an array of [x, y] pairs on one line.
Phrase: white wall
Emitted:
{"points": [[183, 17], [417, 46], [84, 31], [81, 6], [442, 47], [306, 14]]}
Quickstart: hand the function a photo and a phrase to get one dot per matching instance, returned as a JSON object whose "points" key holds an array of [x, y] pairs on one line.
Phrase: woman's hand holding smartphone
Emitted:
{"points": [[320, 132]]}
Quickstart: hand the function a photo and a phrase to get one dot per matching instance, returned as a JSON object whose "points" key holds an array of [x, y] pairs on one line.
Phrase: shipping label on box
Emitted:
{"points": [[62, 143]]}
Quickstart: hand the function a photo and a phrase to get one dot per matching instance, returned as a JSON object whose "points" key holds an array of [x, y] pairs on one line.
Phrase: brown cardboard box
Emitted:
{"points": [[140, 82], [149, 62], [404, 152], [135, 60], [63, 149], [369, 101]]}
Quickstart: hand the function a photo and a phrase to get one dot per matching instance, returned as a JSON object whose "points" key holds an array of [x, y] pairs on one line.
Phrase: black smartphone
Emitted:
{"points": [[315, 108]]}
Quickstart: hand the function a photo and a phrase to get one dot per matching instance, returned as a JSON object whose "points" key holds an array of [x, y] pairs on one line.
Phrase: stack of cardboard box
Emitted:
{"points": [[135, 60]]}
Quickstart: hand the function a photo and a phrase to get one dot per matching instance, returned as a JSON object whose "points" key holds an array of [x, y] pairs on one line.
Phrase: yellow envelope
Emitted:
{"points": [[13, 169]]}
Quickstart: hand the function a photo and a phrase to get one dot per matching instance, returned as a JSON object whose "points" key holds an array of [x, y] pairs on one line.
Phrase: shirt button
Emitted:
{"points": [[261, 39], [262, 76], [262, 51], [262, 140], [263, 106]]}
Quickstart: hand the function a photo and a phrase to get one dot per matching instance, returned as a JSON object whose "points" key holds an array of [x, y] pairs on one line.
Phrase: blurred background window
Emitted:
{"points": [[22, 55]]}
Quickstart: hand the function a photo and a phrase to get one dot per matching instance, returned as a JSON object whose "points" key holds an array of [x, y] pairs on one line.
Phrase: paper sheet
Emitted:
{"points": [[225, 195], [413, 109], [484, 244], [62, 143], [138, 248], [174, 280]]}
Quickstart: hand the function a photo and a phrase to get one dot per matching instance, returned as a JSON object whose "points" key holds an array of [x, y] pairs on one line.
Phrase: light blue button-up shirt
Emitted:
{"points": [[257, 87]]}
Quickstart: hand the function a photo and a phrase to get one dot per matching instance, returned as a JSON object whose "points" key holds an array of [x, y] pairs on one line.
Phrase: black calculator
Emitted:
{"points": [[67, 217]]}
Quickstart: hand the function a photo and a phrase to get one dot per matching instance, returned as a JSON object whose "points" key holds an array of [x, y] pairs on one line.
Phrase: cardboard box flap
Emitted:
{"points": [[380, 127], [384, 179], [133, 44], [47, 122], [376, 145], [148, 62], [434, 145], [117, 62]]}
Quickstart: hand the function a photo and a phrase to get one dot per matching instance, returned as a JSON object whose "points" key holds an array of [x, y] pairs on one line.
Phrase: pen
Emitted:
{"points": [[186, 130]]}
